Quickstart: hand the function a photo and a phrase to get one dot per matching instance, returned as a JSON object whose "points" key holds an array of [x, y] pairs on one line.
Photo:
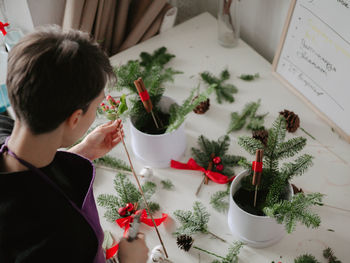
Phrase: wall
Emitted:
{"points": [[261, 21]]}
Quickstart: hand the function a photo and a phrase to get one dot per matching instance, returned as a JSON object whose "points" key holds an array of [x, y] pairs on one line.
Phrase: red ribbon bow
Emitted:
{"points": [[125, 221], [192, 165], [2, 28]]}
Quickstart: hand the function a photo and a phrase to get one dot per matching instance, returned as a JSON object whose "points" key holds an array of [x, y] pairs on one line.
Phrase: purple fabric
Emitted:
{"points": [[88, 210]]}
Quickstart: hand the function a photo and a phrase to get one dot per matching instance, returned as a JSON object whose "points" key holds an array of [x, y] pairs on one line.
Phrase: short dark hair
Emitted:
{"points": [[52, 73]]}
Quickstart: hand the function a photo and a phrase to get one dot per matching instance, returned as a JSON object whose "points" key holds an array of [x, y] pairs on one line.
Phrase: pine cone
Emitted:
{"points": [[292, 119], [261, 135], [202, 107], [297, 190], [184, 242]]}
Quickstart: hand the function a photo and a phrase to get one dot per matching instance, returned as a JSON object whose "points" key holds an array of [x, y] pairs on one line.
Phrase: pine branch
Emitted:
{"points": [[296, 210], [112, 162], [167, 184], [301, 164], [192, 222], [179, 113], [249, 77], [289, 148], [223, 91], [306, 258], [250, 144], [159, 57], [329, 255], [220, 200], [238, 120]]}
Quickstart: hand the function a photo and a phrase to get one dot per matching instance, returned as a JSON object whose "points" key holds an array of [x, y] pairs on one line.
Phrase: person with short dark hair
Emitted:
{"points": [[55, 82]]}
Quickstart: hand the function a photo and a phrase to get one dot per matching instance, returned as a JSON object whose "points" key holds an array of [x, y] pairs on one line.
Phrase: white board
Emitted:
{"points": [[314, 58]]}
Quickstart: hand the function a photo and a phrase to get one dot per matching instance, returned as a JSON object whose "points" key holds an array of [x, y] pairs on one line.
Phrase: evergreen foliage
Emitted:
{"points": [[238, 120], [112, 162], [167, 184], [152, 70], [232, 255], [220, 200], [306, 258], [329, 255], [126, 193], [249, 77], [296, 210], [276, 177], [202, 155], [192, 221], [223, 91], [179, 113]]}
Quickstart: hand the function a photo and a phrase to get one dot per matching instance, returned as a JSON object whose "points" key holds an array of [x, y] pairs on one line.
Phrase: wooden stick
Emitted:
{"points": [[143, 195]]}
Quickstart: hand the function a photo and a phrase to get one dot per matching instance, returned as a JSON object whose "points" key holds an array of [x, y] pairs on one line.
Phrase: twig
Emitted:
{"points": [[217, 237], [143, 196], [111, 169], [307, 133], [208, 252], [206, 179], [200, 186]]}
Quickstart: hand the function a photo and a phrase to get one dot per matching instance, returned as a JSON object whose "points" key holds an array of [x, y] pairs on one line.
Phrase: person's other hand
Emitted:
{"points": [[100, 141], [134, 251]]}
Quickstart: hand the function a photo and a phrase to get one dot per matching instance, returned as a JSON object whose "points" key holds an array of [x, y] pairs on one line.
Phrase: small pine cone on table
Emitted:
{"points": [[292, 119], [184, 242], [261, 135], [202, 107]]}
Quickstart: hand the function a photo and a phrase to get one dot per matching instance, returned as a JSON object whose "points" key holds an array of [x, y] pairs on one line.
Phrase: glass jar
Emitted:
{"points": [[228, 22]]}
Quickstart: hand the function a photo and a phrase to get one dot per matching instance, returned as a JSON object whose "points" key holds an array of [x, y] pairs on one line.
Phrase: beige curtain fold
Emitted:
{"points": [[116, 24]]}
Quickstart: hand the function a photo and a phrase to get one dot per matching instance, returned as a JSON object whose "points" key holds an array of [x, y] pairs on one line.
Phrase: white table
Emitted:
{"points": [[196, 48]]}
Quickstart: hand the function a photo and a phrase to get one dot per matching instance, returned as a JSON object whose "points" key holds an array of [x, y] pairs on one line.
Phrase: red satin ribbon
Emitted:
{"points": [[192, 165], [125, 221], [257, 166], [144, 95], [2, 28], [110, 252]]}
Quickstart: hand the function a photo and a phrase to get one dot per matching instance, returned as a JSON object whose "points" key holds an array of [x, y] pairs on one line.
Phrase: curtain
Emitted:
{"points": [[116, 24]]}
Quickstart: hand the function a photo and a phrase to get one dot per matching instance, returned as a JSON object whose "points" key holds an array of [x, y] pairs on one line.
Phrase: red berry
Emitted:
{"points": [[108, 97], [122, 211], [129, 207], [217, 160], [219, 167]]}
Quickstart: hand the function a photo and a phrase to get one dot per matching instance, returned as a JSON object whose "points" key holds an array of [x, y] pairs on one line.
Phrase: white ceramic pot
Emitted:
{"points": [[157, 150], [255, 231]]}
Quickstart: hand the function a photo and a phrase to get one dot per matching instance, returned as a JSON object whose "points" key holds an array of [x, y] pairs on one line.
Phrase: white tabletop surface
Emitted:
{"points": [[196, 48]]}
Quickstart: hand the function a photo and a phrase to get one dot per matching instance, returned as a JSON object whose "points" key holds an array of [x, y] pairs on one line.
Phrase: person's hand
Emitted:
{"points": [[100, 141], [134, 251]]}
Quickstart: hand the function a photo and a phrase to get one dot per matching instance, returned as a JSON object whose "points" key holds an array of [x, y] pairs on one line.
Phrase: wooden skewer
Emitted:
{"points": [[143, 195]]}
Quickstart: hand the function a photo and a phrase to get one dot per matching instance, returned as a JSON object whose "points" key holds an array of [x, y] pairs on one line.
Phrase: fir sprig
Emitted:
{"points": [[159, 57], [238, 120], [218, 148], [232, 255], [220, 200], [112, 162], [306, 258], [179, 113], [223, 90], [193, 222], [329, 255], [275, 177], [167, 184], [126, 193], [297, 209], [249, 77]]}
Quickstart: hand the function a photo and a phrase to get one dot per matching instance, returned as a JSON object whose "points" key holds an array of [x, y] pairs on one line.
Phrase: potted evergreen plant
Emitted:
{"points": [[157, 135], [261, 225]]}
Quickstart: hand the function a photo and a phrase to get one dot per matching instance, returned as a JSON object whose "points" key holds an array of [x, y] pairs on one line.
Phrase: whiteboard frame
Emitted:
{"points": [[276, 59]]}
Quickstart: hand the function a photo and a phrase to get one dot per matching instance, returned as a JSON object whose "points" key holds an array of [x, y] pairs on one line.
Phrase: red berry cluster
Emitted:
{"points": [[217, 162], [127, 210]]}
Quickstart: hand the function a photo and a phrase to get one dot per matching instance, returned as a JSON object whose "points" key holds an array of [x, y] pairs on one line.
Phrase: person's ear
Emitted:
{"points": [[73, 120]]}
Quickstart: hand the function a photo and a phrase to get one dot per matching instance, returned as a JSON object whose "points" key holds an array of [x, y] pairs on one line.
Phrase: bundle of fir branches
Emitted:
{"points": [[154, 73], [126, 193], [276, 179]]}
